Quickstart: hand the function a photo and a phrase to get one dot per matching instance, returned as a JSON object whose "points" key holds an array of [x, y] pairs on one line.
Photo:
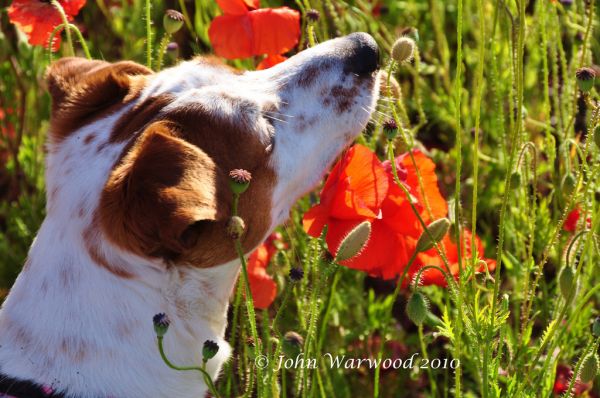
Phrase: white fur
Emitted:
{"points": [[72, 308]]}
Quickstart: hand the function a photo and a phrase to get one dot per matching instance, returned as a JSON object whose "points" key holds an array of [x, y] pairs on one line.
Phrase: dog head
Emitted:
{"points": [[162, 144]]}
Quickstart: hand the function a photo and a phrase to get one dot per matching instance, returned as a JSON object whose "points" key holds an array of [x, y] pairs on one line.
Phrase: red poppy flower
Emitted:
{"points": [[572, 220], [433, 276], [361, 188], [244, 30], [270, 60], [37, 19], [262, 285]]}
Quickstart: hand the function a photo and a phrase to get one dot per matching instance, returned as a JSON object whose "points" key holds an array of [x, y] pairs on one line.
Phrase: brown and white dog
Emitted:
{"points": [[138, 200]]}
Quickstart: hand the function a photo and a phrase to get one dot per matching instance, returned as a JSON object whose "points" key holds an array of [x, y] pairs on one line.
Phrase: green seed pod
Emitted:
{"points": [[354, 242], [161, 324], [585, 78], [597, 135], [239, 181], [566, 281], [291, 344], [437, 230], [390, 128], [209, 350], [172, 21], [589, 368], [417, 308], [568, 185], [596, 327], [515, 179], [403, 50]]}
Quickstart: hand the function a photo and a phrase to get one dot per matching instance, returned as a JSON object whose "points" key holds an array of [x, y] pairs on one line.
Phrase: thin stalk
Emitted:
{"points": [[161, 50], [513, 142], [206, 376], [147, 8], [65, 23]]}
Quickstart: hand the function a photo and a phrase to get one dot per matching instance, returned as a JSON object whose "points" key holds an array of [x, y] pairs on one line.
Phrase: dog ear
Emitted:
{"points": [[163, 196], [81, 88]]}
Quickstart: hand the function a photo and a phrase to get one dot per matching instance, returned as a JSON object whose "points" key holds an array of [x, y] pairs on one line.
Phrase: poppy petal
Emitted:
{"points": [[270, 61], [263, 289], [366, 186], [232, 36], [276, 30], [236, 7], [314, 220], [427, 192]]}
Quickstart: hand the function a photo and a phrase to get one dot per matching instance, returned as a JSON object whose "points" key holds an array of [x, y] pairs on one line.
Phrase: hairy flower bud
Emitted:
{"points": [[437, 231], [589, 368], [568, 184], [515, 179], [567, 281], [403, 49], [417, 308], [354, 242]]}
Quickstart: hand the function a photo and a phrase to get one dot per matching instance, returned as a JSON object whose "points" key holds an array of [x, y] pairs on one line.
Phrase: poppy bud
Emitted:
{"points": [[161, 324], [515, 179], [566, 281], [437, 230], [291, 344], [296, 274], [239, 180], [209, 350], [354, 242], [596, 327], [597, 135], [589, 368], [403, 49], [312, 15], [235, 227], [568, 185], [172, 21], [417, 308], [390, 128], [585, 78]]}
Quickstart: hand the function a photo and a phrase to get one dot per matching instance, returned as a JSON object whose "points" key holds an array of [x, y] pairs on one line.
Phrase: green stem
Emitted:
{"points": [[161, 50], [65, 22], [591, 348], [84, 46], [513, 142], [432, 382], [386, 321], [147, 8], [250, 309], [205, 375]]}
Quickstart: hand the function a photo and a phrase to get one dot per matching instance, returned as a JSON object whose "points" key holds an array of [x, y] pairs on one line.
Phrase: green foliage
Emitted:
{"points": [[512, 108]]}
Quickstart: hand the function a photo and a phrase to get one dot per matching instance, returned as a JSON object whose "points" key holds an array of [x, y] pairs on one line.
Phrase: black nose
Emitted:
{"points": [[362, 54]]}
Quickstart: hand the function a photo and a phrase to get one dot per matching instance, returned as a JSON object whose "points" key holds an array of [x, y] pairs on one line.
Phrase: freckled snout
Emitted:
{"points": [[361, 54]]}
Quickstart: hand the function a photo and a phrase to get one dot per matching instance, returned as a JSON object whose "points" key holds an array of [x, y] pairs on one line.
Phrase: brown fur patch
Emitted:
{"points": [[169, 196], [138, 117], [83, 91], [91, 241]]}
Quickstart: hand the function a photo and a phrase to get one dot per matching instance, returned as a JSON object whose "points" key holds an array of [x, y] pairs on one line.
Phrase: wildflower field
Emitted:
{"points": [[451, 251]]}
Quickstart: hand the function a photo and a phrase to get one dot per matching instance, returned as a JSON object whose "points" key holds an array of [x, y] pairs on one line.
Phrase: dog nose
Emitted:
{"points": [[363, 54]]}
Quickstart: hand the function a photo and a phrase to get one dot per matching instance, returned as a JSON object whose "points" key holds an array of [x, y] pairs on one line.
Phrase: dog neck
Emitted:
{"points": [[71, 323]]}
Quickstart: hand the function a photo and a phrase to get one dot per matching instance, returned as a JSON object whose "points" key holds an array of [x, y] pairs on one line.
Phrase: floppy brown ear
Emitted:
{"points": [[163, 197], [80, 88]]}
